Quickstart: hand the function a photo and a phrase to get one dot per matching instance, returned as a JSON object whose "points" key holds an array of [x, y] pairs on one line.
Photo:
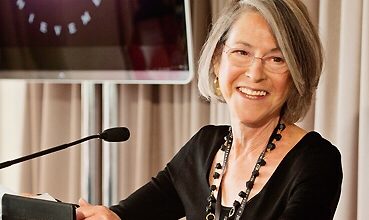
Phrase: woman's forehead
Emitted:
{"points": [[252, 30]]}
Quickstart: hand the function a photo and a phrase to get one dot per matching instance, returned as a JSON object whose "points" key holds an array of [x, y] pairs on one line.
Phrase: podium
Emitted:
{"points": [[24, 208]]}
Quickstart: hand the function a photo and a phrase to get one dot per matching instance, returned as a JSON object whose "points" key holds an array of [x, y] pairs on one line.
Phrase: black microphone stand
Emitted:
{"points": [[47, 151]]}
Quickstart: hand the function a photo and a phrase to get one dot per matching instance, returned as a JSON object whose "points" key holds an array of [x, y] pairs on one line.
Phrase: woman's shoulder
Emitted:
{"points": [[314, 141], [310, 150], [317, 156], [314, 152], [311, 141]]}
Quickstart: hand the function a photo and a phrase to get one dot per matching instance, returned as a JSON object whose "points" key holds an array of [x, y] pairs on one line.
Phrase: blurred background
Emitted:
{"points": [[69, 70]]}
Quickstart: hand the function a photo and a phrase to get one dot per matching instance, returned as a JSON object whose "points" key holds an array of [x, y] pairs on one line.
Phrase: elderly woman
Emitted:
{"points": [[263, 59]]}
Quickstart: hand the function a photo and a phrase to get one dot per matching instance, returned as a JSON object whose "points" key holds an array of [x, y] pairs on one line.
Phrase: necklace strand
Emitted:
{"points": [[240, 203]]}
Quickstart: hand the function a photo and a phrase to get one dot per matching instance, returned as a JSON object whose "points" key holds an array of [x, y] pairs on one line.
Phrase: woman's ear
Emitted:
{"points": [[216, 68], [216, 63], [217, 56]]}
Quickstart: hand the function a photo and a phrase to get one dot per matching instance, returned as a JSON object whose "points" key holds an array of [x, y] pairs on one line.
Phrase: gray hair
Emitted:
{"points": [[296, 37]]}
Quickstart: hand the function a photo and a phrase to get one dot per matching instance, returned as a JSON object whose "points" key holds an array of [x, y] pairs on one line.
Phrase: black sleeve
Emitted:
{"points": [[318, 188], [157, 199]]}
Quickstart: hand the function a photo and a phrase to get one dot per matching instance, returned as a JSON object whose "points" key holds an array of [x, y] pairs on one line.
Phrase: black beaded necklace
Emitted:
{"points": [[240, 203]]}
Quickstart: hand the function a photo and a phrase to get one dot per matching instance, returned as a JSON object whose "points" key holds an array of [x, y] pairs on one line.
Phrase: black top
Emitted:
{"points": [[305, 185]]}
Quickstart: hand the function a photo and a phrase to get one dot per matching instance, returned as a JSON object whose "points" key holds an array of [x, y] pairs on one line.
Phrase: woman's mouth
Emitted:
{"points": [[251, 93]]}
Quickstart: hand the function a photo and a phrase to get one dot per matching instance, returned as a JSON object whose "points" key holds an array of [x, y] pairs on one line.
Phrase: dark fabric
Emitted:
{"points": [[224, 212], [306, 184]]}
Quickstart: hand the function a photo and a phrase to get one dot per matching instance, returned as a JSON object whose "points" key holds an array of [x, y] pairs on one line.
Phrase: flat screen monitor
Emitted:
{"points": [[128, 41]]}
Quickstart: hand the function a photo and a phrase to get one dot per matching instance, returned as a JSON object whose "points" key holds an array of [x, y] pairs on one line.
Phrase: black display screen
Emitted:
{"points": [[129, 40]]}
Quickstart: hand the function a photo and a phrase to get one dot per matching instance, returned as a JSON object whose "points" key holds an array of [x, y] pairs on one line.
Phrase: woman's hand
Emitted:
{"points": [[91, 212]]}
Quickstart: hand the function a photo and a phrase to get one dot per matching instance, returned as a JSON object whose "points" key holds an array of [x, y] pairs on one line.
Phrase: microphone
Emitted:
{"points": [[116, 134]]}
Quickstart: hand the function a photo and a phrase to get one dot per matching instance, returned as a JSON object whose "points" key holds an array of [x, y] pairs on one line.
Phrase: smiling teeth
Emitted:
{"points": [[253, 92]]}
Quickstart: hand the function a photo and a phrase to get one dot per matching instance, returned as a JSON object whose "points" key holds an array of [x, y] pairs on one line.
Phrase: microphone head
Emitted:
{"points": [[116, 134]]}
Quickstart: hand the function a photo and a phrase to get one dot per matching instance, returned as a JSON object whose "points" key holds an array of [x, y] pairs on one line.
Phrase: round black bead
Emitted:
{"points": [[281, 127], [255, 173], [216, 175], [242, 194], [271, 146], [262, 162], [224, 147], [218, 166], [278, 137], [249, 184], [213, 187], [236, 204]]}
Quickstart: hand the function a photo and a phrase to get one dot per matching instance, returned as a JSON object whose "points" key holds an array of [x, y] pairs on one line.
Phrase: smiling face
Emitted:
{"points": [[255, 93]]}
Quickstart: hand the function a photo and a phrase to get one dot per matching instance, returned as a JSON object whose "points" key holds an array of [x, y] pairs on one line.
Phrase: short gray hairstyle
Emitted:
{"points": [[297, 38]]}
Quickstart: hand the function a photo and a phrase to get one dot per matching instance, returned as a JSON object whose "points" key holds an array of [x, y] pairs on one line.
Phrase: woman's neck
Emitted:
{"points": [[247, 139]]}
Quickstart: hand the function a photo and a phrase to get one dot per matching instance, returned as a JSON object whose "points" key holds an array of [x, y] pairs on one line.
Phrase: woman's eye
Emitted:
{"points": [[277, 59], [242, 52]]}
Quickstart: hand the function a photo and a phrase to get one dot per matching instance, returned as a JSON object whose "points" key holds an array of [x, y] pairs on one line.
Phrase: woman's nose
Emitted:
{"points": [[255, 72]]}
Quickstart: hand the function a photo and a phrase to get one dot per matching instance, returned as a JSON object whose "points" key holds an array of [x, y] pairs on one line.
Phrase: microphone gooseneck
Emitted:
{"points": [[116, 134]]}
